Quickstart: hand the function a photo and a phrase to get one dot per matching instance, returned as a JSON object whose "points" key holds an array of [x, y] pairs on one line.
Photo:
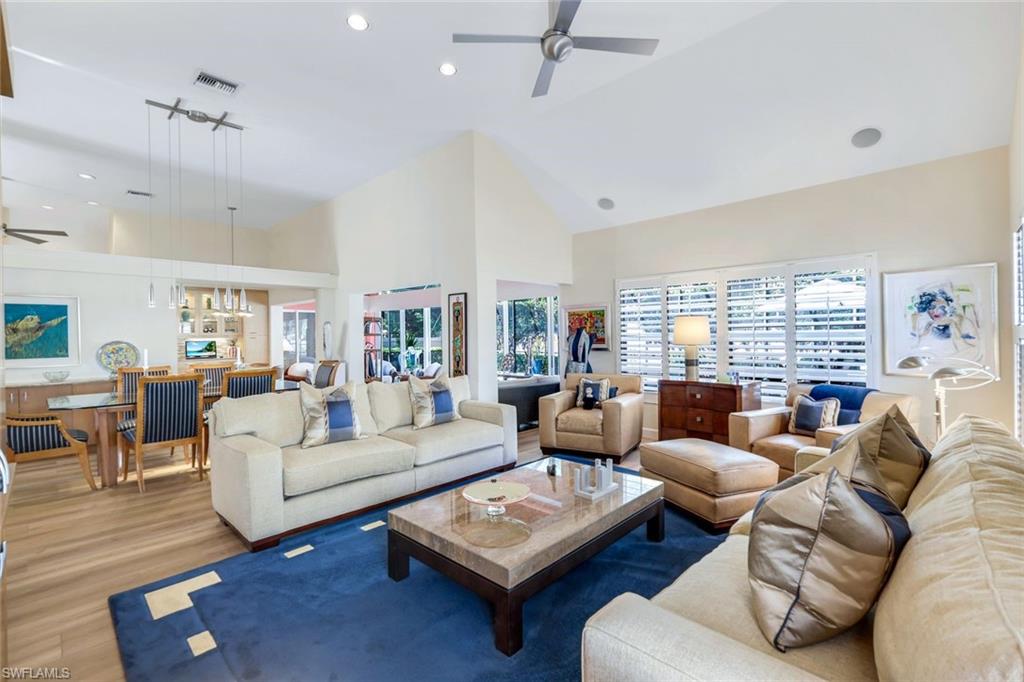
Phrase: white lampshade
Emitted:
{"points": [[692, 330]]}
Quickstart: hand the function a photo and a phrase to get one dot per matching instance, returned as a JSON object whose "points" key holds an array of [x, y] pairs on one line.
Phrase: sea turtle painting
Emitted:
{"points": [[28, 335]]}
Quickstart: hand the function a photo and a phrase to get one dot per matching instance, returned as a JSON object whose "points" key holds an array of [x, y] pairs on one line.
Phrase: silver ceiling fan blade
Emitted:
{"points": [[486, 38], [55, 233], [28, 239], [540, 88], [644, 46], [566, 13]]}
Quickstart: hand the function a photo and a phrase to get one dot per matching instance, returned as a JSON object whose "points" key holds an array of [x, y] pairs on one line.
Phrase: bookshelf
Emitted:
{"points": [[373, 347]]}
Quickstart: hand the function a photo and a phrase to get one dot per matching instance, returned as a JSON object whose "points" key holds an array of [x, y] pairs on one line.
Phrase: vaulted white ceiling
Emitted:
{"points": [[740, 100]]}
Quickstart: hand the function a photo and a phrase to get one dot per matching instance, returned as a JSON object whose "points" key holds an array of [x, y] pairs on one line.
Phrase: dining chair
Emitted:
{"points": [[245, 382], [169, 412], [44, 436], [325, 372], [213, 373], [127, 386]]}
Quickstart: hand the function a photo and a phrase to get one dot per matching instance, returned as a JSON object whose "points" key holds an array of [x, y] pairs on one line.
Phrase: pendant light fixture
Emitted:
{"points": [[172, 292], [149, 200]]}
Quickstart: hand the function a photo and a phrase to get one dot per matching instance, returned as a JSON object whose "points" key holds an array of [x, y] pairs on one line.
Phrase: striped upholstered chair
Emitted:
{"points": [[44, 436], [128, 386], [246, 382], [325, 372], [169, 412], [213, 374]]}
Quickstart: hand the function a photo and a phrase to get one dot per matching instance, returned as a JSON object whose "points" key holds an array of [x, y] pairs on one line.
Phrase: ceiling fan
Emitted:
{"points": [[556, 44], [23, 234]]}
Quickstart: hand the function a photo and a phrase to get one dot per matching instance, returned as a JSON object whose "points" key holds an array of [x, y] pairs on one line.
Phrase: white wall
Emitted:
{"points": [[947, 212], [417, 298], [199, 241], [459, 215], [512, 290], [1017, 146]]}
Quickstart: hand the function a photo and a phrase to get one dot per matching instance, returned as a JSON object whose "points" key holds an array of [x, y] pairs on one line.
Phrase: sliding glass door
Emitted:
{"points": [[412, 338], [298, 338], [527, 334]]}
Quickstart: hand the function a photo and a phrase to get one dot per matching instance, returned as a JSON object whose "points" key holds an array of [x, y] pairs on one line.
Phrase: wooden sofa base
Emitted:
{"points": [[617, 459], [274, 540]]}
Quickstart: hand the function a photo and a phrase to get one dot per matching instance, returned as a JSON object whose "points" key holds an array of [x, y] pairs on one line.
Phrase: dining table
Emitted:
{"points": [[107, 406]]}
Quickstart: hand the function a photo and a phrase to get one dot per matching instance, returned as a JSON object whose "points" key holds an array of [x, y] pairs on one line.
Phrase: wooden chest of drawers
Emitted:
{"points": [[697, 409]]}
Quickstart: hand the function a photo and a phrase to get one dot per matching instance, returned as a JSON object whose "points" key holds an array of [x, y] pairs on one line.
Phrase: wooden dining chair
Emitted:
{"points": [[127, 386], [325, 372], [245, 382], [32, 437], [169, 412], [213, 375]]}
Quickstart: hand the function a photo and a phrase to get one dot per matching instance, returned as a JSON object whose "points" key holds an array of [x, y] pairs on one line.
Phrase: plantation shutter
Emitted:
{"points": [[640, 334], [697, 298], [830, 327], [756, 322]]}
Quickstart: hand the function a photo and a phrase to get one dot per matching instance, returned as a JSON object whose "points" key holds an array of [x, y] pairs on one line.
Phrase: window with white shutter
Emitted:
{"points": [[757, 331], [1018, 332], [641, 329], [830, 327], [694, 298]]}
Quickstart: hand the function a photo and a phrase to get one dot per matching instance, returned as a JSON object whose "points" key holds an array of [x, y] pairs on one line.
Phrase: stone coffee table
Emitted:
{"points": [[508, 559]]}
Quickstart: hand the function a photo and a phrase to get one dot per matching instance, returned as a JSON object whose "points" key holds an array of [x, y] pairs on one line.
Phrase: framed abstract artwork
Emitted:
{"points": [[41, 331], [593, 318], [457, 341], [945, 314]]}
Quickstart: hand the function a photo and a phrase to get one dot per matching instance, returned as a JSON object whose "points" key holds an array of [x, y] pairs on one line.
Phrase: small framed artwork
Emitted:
{"points": [[945, 314], [457, 341], [593, 318], [41, 331]]}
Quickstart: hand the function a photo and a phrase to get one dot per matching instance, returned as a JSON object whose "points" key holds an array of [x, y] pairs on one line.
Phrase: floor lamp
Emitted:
{"points": [[692, 331], [946, 376]]}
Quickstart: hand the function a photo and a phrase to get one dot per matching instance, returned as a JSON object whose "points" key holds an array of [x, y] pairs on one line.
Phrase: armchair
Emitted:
{"points": [[766, 432], [612, 430]]}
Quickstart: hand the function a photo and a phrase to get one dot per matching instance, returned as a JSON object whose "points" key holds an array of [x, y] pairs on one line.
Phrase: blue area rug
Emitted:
{"points": [[333, 613]]}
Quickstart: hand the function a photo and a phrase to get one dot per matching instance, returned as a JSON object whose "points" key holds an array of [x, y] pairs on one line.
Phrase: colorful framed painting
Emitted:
{"points": [[457, 341], [946, 314], [593, 318], [41, 331]]}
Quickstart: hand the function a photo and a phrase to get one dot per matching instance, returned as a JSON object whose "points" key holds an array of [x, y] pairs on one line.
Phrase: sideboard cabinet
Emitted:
{"points": [[700, 409], [33, 400]]}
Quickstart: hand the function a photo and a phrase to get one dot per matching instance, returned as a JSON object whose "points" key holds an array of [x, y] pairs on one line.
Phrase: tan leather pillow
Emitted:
{"points": [[821, 549], [891, 442]]}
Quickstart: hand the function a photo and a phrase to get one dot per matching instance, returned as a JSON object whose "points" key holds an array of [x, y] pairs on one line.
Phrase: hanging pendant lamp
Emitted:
{"points": [[149, 202]]}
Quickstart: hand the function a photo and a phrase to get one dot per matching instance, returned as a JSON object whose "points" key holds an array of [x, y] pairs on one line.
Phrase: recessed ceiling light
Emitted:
{"points": [[606, 203], [87, 176], [47, 207], [93, 203], [447, 69], [357, 22], [867, 137]]}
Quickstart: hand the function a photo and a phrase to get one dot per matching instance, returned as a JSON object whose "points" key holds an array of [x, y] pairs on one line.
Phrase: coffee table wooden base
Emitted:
{"points": [[507, 603]]}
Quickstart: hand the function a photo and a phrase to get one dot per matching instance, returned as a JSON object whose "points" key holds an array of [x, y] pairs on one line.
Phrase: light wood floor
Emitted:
{"points": [[71, 548]]}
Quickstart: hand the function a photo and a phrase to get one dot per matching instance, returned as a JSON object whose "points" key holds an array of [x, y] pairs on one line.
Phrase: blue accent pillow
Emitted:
{"points": [[851, 399], [328, 416], [809, 415], [341, 420]]}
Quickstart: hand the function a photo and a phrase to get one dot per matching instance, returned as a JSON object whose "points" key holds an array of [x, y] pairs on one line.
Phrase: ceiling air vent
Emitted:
{"points": [[211, 82], [139, 193]]}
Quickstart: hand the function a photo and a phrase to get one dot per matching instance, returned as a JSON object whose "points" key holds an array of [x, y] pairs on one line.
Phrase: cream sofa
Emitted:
{"points": [[265, 485], [953, 608], [610, 431], [766, 432]]}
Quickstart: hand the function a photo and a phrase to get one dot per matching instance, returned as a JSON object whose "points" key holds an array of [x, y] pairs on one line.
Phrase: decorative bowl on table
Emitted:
{"points": [[495, 494], [115, 354], [56, 376]]}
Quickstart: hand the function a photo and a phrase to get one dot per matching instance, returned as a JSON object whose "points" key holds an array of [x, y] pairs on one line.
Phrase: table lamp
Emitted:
{"points": [[692, 331], [945, 370]]}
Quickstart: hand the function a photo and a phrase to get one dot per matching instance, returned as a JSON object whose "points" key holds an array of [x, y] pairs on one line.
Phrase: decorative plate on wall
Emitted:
{"points": [[114, 354]]}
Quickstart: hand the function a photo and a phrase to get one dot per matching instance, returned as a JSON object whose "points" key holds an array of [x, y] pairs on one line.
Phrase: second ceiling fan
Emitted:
{"points": [[556, 44]]}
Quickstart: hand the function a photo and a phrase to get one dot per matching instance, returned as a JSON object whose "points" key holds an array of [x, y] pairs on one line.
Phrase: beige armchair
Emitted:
{"points": [[612, 430], [766, 432]]}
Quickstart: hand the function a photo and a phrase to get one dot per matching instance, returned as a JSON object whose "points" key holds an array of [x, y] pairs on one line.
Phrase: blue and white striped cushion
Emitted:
{"points": [[170, 412], [126, 425], [240, 387]]}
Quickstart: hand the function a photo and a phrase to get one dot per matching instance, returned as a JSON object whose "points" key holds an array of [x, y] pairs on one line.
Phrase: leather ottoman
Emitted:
{"points": [[716, 482]]}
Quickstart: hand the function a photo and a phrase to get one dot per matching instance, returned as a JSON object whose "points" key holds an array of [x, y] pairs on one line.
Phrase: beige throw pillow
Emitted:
{"points": [[821, 548], [895, 448]]}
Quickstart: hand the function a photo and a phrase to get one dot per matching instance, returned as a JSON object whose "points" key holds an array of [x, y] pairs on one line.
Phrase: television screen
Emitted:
{"points": [[200, 349]]}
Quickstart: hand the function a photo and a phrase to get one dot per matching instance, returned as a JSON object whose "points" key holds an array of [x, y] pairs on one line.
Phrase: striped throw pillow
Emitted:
{"points": [[329, 416], [432, 403]]}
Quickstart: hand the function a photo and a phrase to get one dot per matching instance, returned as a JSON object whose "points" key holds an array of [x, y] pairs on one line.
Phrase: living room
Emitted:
{"points": [[535, 339]]}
